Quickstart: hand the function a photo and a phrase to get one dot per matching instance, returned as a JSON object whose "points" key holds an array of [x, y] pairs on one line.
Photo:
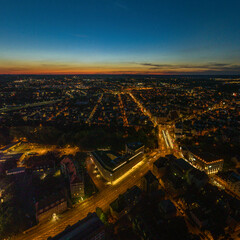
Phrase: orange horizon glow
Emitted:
{"points": [[71, 68], [110, 72]]}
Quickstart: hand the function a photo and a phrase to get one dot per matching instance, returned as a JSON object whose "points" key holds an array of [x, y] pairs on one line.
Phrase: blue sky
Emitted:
{"points": [[120, 36]]}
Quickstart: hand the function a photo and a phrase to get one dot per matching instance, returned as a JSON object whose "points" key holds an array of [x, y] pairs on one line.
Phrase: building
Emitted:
{"points": [[74, 175], [204, 161], [117, 207], [10, 147], [50, 205], [197, 178], [199, 217], [149, 183], [159, 167], [233, 182], [230, 180], [14, 171], [134, 148], [125, 202], [170, 157], [90, 228], [112, 165], [178, 128], [167, 209], [11, 157], [132, 196], [9, 161], [36, 164], [180, 167]]}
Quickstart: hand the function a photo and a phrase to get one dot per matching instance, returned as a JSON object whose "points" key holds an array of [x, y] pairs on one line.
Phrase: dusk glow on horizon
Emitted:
{"points": [[119, 37]]}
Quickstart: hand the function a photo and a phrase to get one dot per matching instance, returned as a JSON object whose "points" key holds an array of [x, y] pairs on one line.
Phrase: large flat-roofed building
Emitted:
{"points": [[10, 147], [90, 228], [112, 166], [204, 161], [180, 167], [11, 157]]}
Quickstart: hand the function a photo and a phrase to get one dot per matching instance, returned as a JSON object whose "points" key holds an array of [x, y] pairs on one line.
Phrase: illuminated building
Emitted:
{"points": [[14, 171], [112, 166], [230, 180], [203, 161], [233, 182], [10, 147]]}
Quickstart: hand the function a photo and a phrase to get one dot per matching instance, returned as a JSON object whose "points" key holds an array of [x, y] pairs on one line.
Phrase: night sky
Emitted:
{"points": [[120, 36]]}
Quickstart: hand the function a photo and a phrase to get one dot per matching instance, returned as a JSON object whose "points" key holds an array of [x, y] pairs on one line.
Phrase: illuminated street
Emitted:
{"points": [[101, 199]]}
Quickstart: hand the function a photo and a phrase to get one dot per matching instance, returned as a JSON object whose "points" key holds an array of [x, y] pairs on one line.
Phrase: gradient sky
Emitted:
{"points": [[120, 36]]}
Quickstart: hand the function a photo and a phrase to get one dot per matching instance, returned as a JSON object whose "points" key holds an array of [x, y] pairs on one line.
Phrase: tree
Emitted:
{"points": [[99, 211]]}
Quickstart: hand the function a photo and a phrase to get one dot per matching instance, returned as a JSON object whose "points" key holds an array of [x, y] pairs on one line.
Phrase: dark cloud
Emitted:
{"points": [[155, 65], [209, 67]]}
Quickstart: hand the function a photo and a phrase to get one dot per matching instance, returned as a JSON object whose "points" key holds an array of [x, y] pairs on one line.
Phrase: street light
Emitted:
{"points": [[54, 217]]}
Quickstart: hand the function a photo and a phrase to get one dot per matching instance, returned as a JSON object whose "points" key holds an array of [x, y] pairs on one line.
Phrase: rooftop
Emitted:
{"points": [[167, 206], [134, 146], [150, 177], [9, 146], [205, 156], [82, 229], [233, 177], [182, 164], [109, 159], [160, 162]]}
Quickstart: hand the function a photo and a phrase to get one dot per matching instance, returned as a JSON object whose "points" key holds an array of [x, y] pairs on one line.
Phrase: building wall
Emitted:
{"points": [[149, 187], [199, 223], [77, 189], [212, 168], [130, 151], [208, 167], [43, 214], [159, 172], [234, 186]]}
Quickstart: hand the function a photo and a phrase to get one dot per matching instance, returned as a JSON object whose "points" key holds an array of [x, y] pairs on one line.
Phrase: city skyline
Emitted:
{"points": [[119, 37]]}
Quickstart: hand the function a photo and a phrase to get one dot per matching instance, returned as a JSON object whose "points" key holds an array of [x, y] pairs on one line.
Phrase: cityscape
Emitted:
{"points": [[133, 151], [119, 120]]}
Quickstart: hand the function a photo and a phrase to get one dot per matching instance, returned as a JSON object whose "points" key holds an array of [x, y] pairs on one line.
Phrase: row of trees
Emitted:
{"points": [[86, 138]]}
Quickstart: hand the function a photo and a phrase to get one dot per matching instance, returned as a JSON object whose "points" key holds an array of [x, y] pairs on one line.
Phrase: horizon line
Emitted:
{"points": [[150, 74]]}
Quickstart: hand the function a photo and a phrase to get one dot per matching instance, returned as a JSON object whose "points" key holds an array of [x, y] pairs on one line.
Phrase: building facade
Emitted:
{"points": [[54, 204], [74, 176], [204, 161]]}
